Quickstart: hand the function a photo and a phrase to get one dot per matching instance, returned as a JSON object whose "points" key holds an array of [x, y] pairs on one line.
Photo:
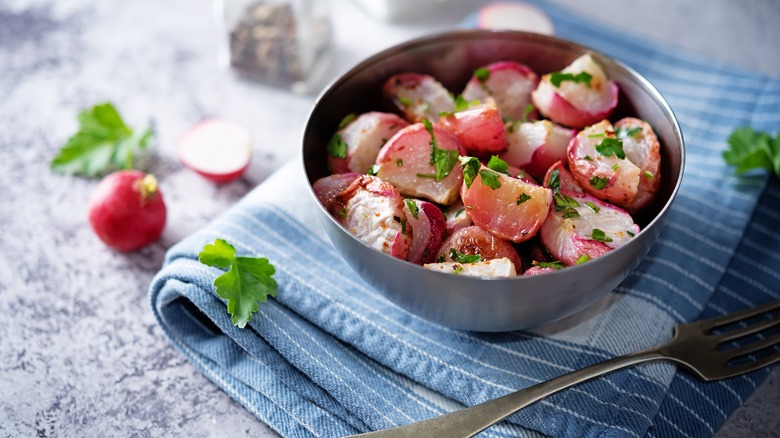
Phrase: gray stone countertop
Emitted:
{"points": [[80, 352]]}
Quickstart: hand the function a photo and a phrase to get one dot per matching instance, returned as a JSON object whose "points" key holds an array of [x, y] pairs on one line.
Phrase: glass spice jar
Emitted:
{"points": [[285, 43]]}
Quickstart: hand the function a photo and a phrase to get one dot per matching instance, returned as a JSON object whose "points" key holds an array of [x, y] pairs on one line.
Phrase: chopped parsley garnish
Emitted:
{"points": [[554, 264], [373, 170], [554, 182], [597, 135], [346, 120], [523, 197], [405, 101], [598, 183], [583, 258], [337, 148], [459, 212], [457, 269], [622, 132], [412, 206], [514, 125], [615, 166], [592, 206], [440, 259], [648, 174], [630, 233], [342, 212], [482, 74], [462, 104], [490, 178], [580, 78], [498, 165], [403, 226], [599, 235], [247, 282], [527, 111], [569, 212], [563, 200], [399, 162], [587, 157], [610, 146], [470, 167], [443, 160], [460, 257]]}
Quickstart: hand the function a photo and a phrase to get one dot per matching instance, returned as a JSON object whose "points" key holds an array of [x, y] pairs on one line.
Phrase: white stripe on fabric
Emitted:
{"points": [[676, 266], [698, 236], [653, 299], [760, 248], [673, 288], [692, 412], [671, 423], [690, 383], [690, 254]]}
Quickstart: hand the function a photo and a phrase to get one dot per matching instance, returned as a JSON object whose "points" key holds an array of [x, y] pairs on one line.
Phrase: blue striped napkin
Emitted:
{"points": [[330, 356]]}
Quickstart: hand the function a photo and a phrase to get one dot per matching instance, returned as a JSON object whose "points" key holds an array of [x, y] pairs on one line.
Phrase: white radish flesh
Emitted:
{"points": [[218, 149], [496, 268], [641, 148], [577, 104], [418, 96], [362, 139], [509, 83], [581, 228], [535, 146], [372, 210]]}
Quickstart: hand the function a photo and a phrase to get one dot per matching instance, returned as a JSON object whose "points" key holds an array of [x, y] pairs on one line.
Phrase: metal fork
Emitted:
{"points": [[695, 347]]}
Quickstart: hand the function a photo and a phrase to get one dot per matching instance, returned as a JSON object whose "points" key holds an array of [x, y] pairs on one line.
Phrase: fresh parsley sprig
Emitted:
{"points": [[247, 282], [750, 150], [103, 143]]}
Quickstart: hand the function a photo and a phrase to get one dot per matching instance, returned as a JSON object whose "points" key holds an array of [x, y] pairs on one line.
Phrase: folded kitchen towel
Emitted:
{"points": [[331, 357]]}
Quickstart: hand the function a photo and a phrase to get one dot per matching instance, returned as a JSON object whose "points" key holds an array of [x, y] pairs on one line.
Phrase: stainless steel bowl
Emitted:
{"points": [[484, 304]]}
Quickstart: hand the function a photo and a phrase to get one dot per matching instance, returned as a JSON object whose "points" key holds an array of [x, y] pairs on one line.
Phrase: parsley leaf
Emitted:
{"points": [[498, 165], [412, 206], [600, 236], [554, 182], [347, 120], [443, 160], [527, 111], [103, 143], [460, 257], [490, 178], [554, 264], [622, 132], [598, 183], [249, 280], [337, 147], [482, 74], [523, 197], [610, 146], [749, 150], [582, 259], [580, 78], [470, 167]]}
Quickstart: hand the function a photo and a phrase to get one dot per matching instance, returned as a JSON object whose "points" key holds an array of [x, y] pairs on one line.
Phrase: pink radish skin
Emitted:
{"points": [[585, 163], [570, 239], [573, 104], [538, 270], [501, 210], [509, 83], [566, 181], [364, 137], [475, 240], [327, 188], [406, 156], [372, 210], [427, 228], [644, 151], [480, 129], [217, 149], [535, 146], [418, 96], [127, 210]]}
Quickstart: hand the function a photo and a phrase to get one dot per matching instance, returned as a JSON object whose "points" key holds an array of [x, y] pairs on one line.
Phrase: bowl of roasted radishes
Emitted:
{"points": [[492, 180]]}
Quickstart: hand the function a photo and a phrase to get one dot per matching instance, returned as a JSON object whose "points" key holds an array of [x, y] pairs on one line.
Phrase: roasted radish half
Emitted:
{"points": [[490, 268], [535, 146], [474, 244], [598, 162], [327, 188], [479, 128], [372, 210], [642, 148], [420, 161], [418, 96], [558, 178], [355, 146], [509, 83], [508, 207], [577, 96], [581, 228], [427, 227]]}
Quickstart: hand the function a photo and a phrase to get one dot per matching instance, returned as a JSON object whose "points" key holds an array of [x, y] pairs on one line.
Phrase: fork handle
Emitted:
{"points": [[472, 420]]}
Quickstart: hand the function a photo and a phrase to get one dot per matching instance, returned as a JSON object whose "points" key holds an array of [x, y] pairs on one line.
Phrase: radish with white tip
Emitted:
{"points": [[218, 149]]}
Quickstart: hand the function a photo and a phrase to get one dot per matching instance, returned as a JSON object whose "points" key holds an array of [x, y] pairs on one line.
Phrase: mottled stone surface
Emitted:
{"points": [[80, 353]]}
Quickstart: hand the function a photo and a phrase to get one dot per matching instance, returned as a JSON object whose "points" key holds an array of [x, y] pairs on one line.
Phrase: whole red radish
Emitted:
{"points": [[127, 210]]}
